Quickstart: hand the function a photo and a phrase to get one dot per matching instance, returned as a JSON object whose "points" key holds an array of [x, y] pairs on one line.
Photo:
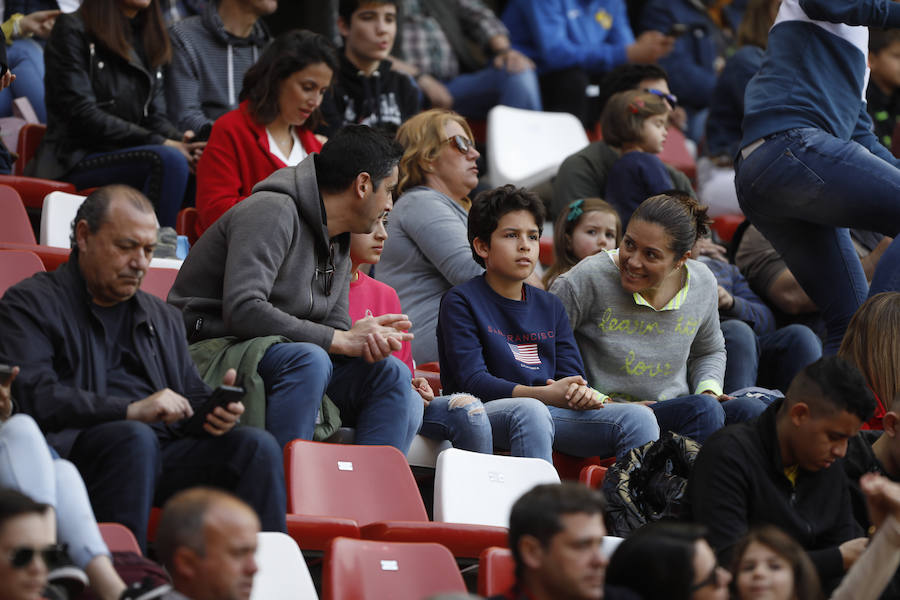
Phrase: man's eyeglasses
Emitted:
{"points": [[19, 558], [461, 143], [327, 271], [672, 99]]}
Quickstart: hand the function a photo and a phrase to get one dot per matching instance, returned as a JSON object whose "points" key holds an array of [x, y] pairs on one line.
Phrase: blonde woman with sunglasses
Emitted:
{"points": [[429, 252]]}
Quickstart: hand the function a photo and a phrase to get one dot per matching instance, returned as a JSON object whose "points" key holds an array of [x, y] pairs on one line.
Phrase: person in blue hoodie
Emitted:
{"points": [[809, 165], [574, 43]]}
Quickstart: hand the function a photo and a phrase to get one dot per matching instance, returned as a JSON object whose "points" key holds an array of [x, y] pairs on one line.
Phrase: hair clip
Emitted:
{"points": [[575, 210], [636, 106]]}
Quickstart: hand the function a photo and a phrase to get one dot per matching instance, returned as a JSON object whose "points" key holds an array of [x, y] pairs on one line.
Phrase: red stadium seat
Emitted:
{"points": [[51, 256], [30, 137], [16, 265], [370, 570], [496, 572], [158, 281], [14, 226], [334, 487], [545, 255], [186, 223], [569, 467], [33, 189], [726, 225], [431, 371], [119, 538], [593, 476]]}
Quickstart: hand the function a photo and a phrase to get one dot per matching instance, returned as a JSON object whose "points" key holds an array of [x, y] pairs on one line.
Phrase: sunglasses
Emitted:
{"points": [[461, 143], [672, 99], [20, 558]]}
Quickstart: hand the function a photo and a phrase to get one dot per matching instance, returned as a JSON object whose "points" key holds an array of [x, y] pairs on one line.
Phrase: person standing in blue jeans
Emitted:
{"points": [[511, 345], [758, 353], [810, 166], [646, 320]]}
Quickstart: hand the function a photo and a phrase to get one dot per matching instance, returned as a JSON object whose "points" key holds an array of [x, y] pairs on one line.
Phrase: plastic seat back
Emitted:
{"points": [[14, 226], [369, 570], [16, 265], [59, 211], [30, 137], [480, 489], [593, 476], [365, 483], [118, 538], [496, 571], [282, 574], [526, 147], [158, 281]]}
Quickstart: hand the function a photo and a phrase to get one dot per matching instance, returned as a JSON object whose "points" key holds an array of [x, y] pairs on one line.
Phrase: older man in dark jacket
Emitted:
{"points": [[105, 371]]}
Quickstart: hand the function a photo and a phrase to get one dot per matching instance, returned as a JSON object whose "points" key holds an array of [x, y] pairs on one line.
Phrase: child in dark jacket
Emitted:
{"points": [[636, 124]]}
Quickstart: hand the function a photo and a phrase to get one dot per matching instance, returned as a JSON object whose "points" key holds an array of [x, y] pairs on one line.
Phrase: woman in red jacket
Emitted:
{"points": [[273, 126]]}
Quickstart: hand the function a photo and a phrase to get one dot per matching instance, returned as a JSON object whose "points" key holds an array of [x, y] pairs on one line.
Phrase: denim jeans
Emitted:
{"points": [[802, 188], [698, 416], [375, 398], [474, 94], [460, 418], [770, 360], [527, 427], [887, 273], [160, 172], [26, 465], [129, 467], [26, 61]]}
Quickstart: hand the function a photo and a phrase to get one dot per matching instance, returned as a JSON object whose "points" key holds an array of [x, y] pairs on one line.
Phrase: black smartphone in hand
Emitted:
{"points": [[222, 396]]}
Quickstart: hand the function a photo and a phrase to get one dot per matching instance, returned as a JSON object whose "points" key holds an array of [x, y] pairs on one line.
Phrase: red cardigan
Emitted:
{"points": [[236, 158]]}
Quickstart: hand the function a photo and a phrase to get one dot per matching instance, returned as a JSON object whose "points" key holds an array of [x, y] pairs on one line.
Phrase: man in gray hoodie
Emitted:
{"points": [[278, 264], [210, 54]]}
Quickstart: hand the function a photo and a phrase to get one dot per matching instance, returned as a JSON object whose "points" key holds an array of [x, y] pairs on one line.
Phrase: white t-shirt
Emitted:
{"points": [[298, 152]]}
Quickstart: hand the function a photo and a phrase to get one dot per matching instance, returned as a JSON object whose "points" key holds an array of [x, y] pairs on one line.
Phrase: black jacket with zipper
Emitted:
{"points": [[96, 100]]}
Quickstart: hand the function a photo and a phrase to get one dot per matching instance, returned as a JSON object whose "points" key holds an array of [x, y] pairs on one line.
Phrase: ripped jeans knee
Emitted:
{"points": [[460, 418]]}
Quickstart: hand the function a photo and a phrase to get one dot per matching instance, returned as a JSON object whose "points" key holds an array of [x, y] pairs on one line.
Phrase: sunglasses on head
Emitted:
{"points": [[672, 99], [21, 557], [461, 143]]}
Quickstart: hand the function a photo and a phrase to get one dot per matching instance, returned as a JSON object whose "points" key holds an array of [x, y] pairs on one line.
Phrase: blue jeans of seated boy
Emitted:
{"points": [[770, 360], [160, 172], [802, 188], [459, 418], [474, 94], [528, 427], [26, 61], [374, 398]]}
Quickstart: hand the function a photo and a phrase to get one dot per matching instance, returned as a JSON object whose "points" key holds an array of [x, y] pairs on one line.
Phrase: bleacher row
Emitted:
{"points": [[366, 514]]}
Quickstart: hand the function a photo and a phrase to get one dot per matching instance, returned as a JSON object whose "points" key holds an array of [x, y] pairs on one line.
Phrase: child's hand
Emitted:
{"points": [[586, 398], [420, 384]]}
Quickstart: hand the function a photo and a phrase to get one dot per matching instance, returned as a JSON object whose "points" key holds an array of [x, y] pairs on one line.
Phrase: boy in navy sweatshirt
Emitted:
{"points": [[511, 345]]}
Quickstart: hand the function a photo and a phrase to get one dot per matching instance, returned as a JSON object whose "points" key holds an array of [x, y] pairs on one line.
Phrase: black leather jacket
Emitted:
{"points": [[96, 101]]}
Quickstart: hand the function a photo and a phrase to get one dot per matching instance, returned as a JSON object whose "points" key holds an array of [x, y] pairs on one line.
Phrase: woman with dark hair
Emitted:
{"points": [[106, 120], [273, 126], [646, 320], [668, 560]]}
